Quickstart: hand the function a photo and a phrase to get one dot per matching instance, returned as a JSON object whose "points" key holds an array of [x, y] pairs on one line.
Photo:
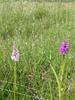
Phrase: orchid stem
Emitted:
{"points": [[14, 85], [51, 98], [58, 81], [62, 69]]}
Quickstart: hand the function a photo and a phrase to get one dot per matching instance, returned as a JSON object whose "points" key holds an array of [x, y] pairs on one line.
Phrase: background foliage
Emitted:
{"points": [[38, 28]]}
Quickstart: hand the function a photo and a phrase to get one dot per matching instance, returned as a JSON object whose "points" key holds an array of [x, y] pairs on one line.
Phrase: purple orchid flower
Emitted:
{"points": [[64, 47]]}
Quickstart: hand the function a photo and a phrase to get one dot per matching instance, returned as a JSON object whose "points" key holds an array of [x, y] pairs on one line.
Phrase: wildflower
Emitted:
{"points": [[64, 47], [15, 53]]}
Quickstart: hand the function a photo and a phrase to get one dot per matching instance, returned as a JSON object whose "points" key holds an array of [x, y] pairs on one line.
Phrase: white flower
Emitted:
{"points": [[15, 53]]}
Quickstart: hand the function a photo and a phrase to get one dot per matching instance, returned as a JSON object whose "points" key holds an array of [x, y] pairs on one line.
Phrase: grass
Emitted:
{"points": [[38, 29]]}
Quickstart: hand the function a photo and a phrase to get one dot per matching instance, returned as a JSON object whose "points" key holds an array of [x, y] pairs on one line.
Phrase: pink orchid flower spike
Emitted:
{"points": [[15, 53], [64, 47]]}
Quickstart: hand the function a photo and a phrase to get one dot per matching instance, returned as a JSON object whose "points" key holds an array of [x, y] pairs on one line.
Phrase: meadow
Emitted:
{"points": [[38, 28]]}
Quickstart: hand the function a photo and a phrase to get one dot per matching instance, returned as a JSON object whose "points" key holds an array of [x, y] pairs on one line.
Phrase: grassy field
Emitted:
{"points": [[38, 29]]}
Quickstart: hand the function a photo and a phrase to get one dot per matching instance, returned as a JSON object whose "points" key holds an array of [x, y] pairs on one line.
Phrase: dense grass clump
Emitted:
{"points": [[38, 29]]}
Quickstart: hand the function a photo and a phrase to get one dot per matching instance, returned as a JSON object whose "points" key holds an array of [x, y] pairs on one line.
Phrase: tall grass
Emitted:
{"points": [[38, 29]]}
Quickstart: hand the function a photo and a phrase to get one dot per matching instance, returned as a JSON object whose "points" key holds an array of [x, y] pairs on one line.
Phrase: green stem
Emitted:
{"points": [[50, 91], [58, 81], [14, 85], [62, 70]]}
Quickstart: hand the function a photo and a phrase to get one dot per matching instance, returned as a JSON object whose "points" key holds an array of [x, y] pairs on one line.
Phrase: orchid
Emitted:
{"points": [[64, 47], [15, 53]]}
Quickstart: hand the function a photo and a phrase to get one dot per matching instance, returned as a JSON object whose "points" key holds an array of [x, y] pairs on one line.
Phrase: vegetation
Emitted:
{"points": [[38, 30]]}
